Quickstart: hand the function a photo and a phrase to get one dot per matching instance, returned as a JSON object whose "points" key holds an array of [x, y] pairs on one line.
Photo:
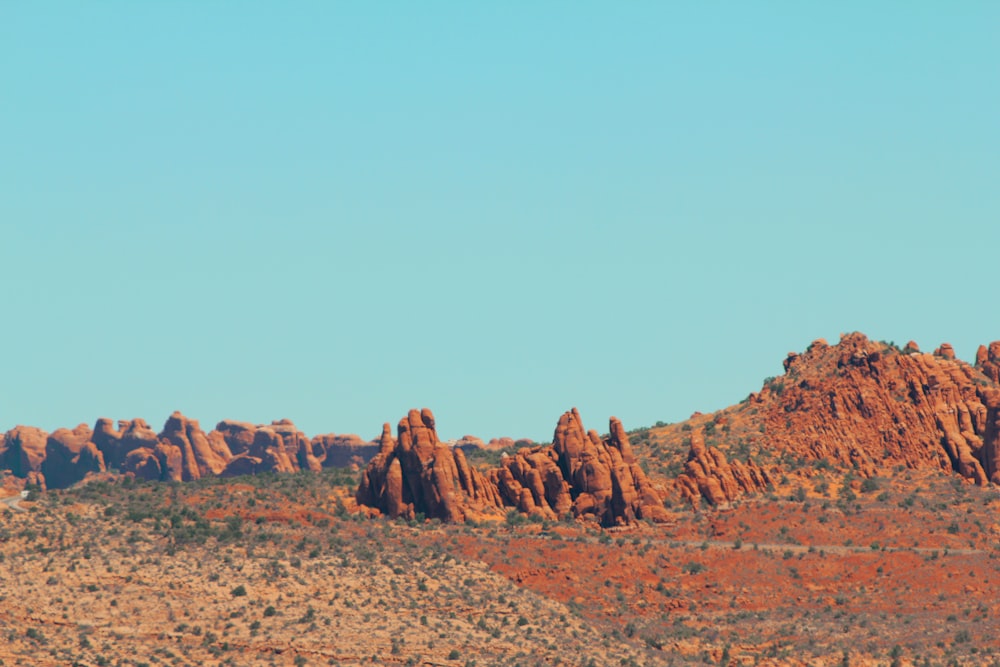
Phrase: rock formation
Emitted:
{"points": [[707, 474], [116, 444], [419, 474], [579, 475], [69, 456], [201, 455], [23, 451], [988, 360], [182, 451], [260, 449], [338, 451], [860, 405]]}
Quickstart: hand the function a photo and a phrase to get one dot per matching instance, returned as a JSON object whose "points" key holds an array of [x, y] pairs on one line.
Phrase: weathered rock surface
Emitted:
{"points": [[469, 443], [707, 474], [116, 443], [69, 456], [988, 360], [23, 451], [338, 451], [187, 437], [298, 449], [860, 405], [579, 475], [419, 474], [182, 451], [238, 436], [266, 451], [881, 408]]}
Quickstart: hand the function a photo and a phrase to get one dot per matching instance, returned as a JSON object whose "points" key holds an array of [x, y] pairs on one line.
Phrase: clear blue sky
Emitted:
{"points": [[333, 212]]}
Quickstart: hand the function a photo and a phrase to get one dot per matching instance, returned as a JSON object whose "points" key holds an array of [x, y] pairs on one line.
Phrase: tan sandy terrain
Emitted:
{"points": [[277, 570], [243, 574]]}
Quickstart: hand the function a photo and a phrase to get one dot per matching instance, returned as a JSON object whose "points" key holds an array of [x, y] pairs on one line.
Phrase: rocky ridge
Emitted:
{"points": [[182, 451], [863, 406], [579, 475]]}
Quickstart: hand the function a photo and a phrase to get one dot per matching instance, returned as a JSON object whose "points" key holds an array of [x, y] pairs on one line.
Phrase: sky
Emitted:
{"points": [[333, 212]]}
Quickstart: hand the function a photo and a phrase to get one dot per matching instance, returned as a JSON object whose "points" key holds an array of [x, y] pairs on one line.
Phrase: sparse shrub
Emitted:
{"points": [[239, 591], [693, 567], [515, 518]]}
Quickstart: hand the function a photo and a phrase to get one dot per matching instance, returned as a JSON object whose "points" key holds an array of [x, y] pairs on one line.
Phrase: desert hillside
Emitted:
{"points": [[845, 513]]}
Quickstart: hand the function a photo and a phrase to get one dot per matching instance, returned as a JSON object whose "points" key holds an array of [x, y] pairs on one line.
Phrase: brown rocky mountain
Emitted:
{"points": [[579, 475], [860, 405]]}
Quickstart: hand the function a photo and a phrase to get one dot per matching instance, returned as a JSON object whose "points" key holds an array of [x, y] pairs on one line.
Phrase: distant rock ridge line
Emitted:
{"points": [[579, 475], [181, 451]]}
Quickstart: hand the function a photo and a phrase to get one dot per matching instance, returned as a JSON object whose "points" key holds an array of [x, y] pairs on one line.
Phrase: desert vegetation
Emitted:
{"points": [[283, 569]]}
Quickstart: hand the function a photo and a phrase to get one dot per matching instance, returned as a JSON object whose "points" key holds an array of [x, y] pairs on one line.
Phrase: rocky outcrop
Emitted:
{"points": [[144, 464], [116, 443], [201, 455], [859, 405], [266, 452], [990, 455], [469, 443], [55, 460], [505, 443], [23, 452], [418, 474], [532, 481], [238, 436], [604, 477], [580, 475], [70, 456], [945, 351], [988, 360], [182, 451], [707, 474], [298, 448], [339, 451], [881, 408]]}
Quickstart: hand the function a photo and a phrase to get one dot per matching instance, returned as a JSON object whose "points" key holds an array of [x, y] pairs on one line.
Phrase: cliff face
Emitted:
{"points": [[578, 475], [860, 405]]}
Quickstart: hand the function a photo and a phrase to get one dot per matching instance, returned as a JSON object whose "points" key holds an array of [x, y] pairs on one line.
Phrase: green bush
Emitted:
{"points": [[693, 567]]}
